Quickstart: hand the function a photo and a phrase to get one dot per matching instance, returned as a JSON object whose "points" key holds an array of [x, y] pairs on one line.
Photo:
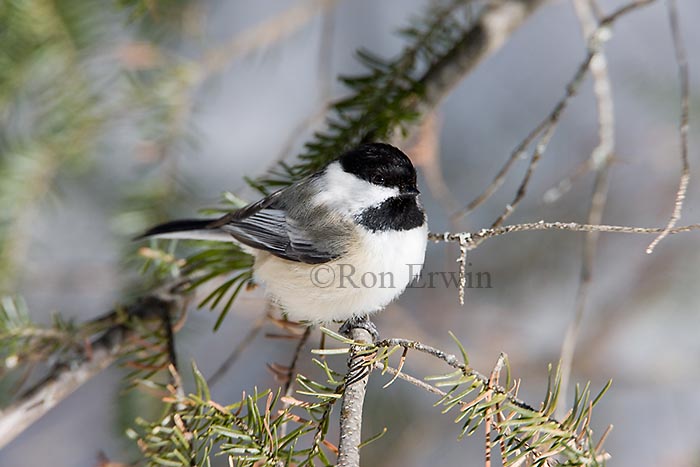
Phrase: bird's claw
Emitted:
{"points": [[362, 322]]}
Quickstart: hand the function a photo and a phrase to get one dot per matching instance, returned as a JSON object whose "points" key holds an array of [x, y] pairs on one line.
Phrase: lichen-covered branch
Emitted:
{"points": [[353, 403], [471, 240], [476, 238], [684, 78]]}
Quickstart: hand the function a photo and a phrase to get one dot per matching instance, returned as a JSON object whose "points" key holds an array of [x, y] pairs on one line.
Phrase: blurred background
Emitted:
{"points": [[112, 119]]}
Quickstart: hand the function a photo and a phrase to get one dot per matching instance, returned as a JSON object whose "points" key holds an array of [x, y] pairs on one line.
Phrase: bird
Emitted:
{"points": [[337, 245]]}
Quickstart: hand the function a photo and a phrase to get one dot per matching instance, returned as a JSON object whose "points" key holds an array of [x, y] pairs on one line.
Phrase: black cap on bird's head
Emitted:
{"points": [[381, 164]]}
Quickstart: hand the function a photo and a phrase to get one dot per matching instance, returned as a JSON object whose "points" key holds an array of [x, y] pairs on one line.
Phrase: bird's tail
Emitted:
{"points": [[187, 229]]}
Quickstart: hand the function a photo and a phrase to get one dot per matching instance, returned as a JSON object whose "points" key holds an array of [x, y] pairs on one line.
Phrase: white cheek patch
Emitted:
{"points": [[348, 194]]}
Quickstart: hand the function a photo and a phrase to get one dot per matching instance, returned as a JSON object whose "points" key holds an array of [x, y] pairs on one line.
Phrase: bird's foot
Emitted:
{"points": [[362, 322]]}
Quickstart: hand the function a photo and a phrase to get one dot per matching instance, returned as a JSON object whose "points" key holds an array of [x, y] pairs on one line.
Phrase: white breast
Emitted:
{"points": [[364, 281]]}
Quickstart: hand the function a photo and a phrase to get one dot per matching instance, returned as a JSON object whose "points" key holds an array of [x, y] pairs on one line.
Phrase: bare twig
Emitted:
{"points": [[462, 261], [601, 158], [542, 144], [396, 373], [238, 350], [288, 387], [476, 238], [683, 127], [353, 402], [289, 384], [545, 129], [518, 153], [469, 241]]}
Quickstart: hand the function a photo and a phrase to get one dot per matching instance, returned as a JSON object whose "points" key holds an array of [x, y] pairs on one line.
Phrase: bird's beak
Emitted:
{"points": [[410, 190]]}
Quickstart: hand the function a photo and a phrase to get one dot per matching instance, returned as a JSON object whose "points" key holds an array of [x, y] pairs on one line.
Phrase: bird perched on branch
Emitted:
{"points": [[339, 244]]}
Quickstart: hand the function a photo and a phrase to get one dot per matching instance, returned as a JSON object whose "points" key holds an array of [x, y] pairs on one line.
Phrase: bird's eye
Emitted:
{"points": [[378, 180]]}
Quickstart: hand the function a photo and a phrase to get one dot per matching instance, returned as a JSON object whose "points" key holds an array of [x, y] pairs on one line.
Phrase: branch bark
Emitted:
{"points": [[353, 402]]}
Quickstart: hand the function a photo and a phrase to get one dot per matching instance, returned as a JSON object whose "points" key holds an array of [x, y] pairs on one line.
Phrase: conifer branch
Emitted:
{"points": [[255, 431], [523, 432], [121, 325]]}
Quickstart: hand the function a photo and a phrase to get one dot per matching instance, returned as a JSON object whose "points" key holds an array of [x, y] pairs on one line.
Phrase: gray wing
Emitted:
{"points": [[267, 226]]}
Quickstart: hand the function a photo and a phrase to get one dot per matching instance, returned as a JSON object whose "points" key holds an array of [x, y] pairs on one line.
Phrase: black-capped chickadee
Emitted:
{"points": [[338, 245]]}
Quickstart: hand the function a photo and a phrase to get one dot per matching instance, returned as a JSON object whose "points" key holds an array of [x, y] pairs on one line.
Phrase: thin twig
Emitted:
{"points": [[542, 144], [601, 158], [453, 361], [289, 384], [238, 350], [288, 387], [545, 129], [476, 238], [408, 378], [682, 62], [518, 153]]}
